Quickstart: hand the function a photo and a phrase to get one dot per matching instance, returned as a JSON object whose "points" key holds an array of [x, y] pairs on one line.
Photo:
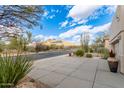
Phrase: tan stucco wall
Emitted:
{"points": [[117, 36], [121, 52], [118, 48], [117, 24]]}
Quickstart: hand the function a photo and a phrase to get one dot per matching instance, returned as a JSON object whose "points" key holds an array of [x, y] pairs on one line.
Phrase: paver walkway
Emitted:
{"points": [[75, 72]]}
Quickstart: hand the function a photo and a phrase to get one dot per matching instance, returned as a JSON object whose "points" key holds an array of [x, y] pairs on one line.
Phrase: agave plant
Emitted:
{"points": [[13, 69]]}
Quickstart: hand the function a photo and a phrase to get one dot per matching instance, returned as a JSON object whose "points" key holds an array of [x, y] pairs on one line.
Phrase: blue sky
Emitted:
{"points": [[68, 22]]}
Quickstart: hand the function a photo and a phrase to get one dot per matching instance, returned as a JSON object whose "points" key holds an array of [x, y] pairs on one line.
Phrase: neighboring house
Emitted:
{"points": [[106, 42], [50, 42], [63, 43], [117, 36]]}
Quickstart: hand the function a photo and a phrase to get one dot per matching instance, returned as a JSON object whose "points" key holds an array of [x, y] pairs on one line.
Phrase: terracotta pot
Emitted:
{"points": [[113, 65]]}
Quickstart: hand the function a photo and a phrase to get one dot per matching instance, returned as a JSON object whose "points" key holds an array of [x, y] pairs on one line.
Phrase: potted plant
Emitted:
{"points": [[113, 63]]}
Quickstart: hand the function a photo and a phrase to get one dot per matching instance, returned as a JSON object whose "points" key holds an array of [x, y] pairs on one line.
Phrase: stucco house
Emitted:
{"points": [[117, 36], [63, 43], [49, 42]]}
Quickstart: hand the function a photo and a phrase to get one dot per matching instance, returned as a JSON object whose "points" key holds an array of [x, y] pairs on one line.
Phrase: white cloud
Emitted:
{"points": [[72, 24], [75, 31], [51, 37], [63, 24], [40, 38], [45, 13], [82, 21], [81, 12], [57, 11], [51, 17], [76, 39], [101, 28], [74, 34], [110, 9], [68, 7]]}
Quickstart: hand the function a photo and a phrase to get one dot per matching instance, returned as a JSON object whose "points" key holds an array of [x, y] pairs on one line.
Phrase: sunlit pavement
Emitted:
{"points": [[75, 72]]}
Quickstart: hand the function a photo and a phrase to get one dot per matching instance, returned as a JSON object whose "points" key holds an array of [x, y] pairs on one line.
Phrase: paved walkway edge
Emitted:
{"points": [[45, 59]]}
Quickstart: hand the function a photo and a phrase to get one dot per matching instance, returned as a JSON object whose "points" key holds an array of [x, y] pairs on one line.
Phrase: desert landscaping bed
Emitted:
{"points": [[28, 82]]}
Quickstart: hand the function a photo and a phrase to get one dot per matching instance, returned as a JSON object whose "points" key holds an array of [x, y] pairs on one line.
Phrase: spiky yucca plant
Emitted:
{"points": [[13, 69]]}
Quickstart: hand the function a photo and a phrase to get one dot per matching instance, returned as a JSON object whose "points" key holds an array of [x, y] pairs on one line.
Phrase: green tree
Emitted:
{"points": [[14, 43], [26, 40], [20, 42], [99, 44], [85, 41], [2, 46], [26, 16], [29, 36], [20, 17]]}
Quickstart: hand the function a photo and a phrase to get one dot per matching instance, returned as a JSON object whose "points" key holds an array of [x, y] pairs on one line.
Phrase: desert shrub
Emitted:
{"points": [[13, 69], [38, 48], [53, 46], [1, 49], [79, 52], [30, 49], [45, 48], [61, 47], [106, 53], [86, 48], [88, 55], [90, 50]]}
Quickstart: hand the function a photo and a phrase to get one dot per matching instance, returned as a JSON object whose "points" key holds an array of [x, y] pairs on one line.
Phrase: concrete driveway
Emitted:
{"points": [[75, 72]]}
